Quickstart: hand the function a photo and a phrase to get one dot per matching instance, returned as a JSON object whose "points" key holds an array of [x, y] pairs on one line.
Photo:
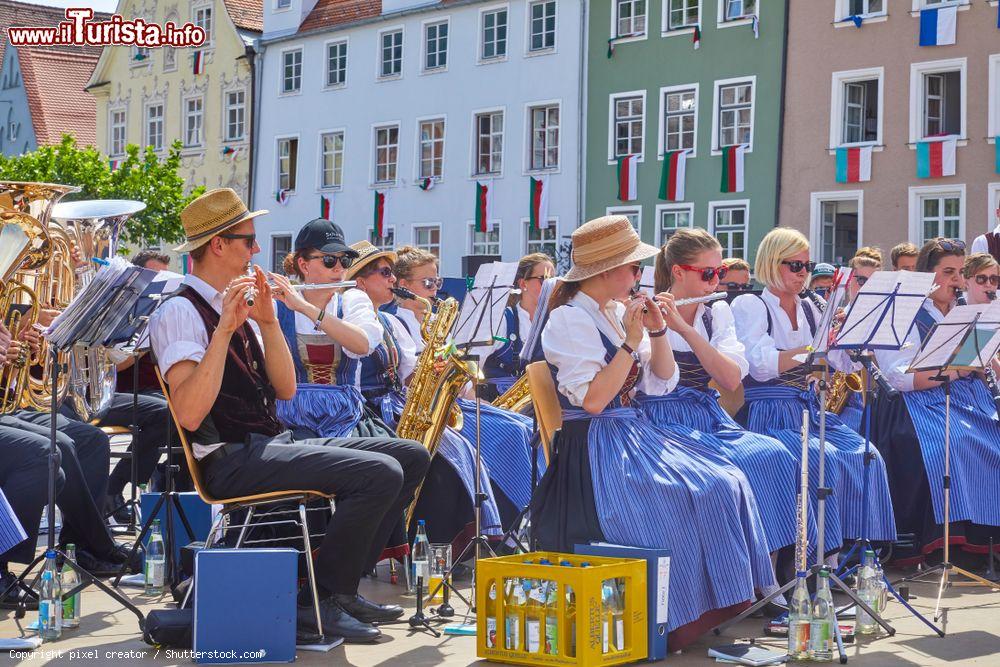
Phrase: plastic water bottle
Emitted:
{"points": [[156, 561], [513, 614], [821, 621], [552, 618], [869, 593], [798, 620], [421, 556], [570, 616], [50, 601], [491, 616], [69, 579]]}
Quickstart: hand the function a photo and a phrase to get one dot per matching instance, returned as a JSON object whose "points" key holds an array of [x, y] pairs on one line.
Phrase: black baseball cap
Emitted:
{"points": [[324, 236]]}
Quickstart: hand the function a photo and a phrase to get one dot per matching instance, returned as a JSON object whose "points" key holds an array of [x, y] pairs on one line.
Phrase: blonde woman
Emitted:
{"points": [[982, 278], [776, 327], [416, 270]]}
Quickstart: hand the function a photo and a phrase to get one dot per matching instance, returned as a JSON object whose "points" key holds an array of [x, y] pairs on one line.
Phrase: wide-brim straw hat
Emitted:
{"points": [[367, 253], [210, 214], [604, 244]]}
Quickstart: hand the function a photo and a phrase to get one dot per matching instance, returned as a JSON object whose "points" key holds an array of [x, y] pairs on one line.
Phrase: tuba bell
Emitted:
{"points": [[93, 227]]}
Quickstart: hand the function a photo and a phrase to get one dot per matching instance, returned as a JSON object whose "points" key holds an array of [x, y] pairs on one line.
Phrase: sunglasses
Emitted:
{"points": [[951, 245], [330, 261], [992, 280], [384, 271], [708, 272], [430, 283], [731, 286], [797, 266], [249, 239], [861, 280]]}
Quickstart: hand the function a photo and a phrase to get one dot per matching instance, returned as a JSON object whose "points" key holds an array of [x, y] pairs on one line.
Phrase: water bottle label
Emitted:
{"points": [[154, 573], [798, 638], [513, 633], [551, 636], [620, 634], [537, 594], [819, 635], [604, 636], [533, 634], [45, 615], [69, 608], [491, 632], [423, 569]]}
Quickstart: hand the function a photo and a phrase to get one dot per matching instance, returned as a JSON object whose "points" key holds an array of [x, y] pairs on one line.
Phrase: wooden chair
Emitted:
{"points": [[251, 503], [548, 412]]}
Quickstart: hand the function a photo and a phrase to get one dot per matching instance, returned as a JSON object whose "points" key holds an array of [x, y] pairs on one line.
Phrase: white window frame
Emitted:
{"points": [[992, 204], [993, 120], [666, 30], [731, 203], [163, 124], [625, 39], [746, 20], [135, 51], [841, 13], [424, 27], [526, 231], [389, 233], [612, 98], [123, 109], [544, 50], [226, 108], [475, 173], [661, 126], [321, 186], [837, 100], [917, 72], [346, 42], [816, 200], [917, 5], [210, 32], [281, 79], [375, 127], [379, 76], [282, 5], [185, 113], [481, 39], [717, 85], [429, 226], [916, 195], [530, 136], [470, 245], [277, 268], [628, 211], [663, 208], [418, 156], [293, 172]]}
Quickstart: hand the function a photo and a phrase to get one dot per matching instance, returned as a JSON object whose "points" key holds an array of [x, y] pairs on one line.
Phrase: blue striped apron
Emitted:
{"points": [[11, 531]]}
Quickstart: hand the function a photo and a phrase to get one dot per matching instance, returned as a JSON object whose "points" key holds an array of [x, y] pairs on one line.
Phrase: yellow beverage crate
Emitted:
{"points": [[570, 624]]}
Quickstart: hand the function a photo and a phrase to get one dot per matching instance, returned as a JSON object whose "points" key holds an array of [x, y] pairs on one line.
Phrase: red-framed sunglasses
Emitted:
{"points": [[707, 272]]}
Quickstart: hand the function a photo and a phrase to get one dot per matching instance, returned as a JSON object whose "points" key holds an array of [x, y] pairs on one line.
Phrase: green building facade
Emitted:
{"points": [[657, 92]]}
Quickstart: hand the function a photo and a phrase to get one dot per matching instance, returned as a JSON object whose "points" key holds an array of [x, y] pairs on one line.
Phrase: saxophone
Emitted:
{"points": [[517, 396], [841, 386]]}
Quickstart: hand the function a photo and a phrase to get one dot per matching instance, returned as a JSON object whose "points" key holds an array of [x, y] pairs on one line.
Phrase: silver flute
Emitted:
{"points": [[250, 293], [305, 287], [714, 296]]}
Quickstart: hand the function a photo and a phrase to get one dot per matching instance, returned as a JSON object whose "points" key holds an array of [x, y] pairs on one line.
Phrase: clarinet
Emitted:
{"points": [[992, 384], [960, 299], [815, 298]]}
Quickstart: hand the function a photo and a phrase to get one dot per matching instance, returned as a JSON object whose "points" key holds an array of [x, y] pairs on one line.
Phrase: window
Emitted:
{"points": [[236, 110], [938, 99], [541, 240], [839, 232], [194, 112], [544, 137], [864, 7], [670, 219], [630, 18], [154, 126], [288, 158], [140, 55], [429, 239], [282, 4], [118, 132], [484, 243], [203, 19], [735, 10], [431, 148], [994, 96], [391, 51], [634, 215], [336, 64], [734, 119], [281, 245], [680, 110], [936, 210], [728, 222], [331, 159], [291, 75], [542, 34], [386, 153], [489, 143], [386, 242], [627, 121], [856, 107], [494, 34], [435, 46], [683, 14]]}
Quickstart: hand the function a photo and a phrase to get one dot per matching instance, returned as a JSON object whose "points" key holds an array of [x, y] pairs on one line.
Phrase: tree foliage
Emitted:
{"points": [[141, 175]]}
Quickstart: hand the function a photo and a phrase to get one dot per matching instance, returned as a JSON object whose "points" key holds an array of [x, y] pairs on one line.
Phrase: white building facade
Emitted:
{"points": [[459, 93]]}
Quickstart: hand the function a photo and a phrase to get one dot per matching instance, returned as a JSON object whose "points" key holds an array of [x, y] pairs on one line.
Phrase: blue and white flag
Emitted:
{"points": [[937, 26]]}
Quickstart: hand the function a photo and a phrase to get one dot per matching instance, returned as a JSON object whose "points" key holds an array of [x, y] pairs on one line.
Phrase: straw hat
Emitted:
{"points": [[367, 253], [603, 244], [212, 213]]}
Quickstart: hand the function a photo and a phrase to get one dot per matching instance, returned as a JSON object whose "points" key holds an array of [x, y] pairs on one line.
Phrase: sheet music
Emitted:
{"points": [[481, 315], [884, 310], [647, 282], [538, 321], [946, 338], [821, 341], [165, 283]]}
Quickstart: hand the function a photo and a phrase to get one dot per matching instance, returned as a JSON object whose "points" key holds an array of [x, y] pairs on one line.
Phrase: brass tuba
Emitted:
{"points": [[94, 227], [841, 386]]}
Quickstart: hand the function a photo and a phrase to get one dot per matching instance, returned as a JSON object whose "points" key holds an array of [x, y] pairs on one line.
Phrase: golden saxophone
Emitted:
{"points": [[841, 386], [517, 396]]}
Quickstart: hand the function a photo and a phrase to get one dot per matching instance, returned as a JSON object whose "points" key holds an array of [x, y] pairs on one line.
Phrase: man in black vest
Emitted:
{"points": [[226, 363]]}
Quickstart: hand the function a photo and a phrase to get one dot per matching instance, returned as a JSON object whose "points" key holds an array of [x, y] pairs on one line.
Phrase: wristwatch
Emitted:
{"points": [[632, 353]]}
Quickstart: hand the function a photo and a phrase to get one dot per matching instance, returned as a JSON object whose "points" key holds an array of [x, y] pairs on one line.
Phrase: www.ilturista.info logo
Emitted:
{"points": [[79, 29]]}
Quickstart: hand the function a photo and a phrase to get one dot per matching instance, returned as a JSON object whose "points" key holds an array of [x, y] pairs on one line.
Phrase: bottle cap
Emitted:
{"points": [[49, 553], [585, 564], [156, 522], [566, 563], [545, 561], [800, 573], [420, 522], [70, 546], [824, 572]]}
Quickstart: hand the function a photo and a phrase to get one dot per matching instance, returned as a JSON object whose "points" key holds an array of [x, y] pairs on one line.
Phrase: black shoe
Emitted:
{"points": [[15, 597], [120, 556], [337, 623], [98, 567], [116, 508], [367, 611]]}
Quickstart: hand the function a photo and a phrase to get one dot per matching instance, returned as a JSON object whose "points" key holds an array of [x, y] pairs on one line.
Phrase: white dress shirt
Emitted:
{"points": [[358, 310], [523, 328], [979, 244], [893, 363], [572, 343], [407, 352], [762, 350], [412, 325], [177, 333], [723, 339]]}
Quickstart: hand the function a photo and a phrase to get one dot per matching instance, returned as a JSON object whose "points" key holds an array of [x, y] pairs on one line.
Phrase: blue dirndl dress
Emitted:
{"points": [[775, 408], [616, 477], [853, 413], [503, 366], [914, 421]]}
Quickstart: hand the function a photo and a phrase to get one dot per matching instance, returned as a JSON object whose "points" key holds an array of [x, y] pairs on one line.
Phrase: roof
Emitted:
{"points": [[246, 14], [54, 82], [23, 13], [331, 13]]}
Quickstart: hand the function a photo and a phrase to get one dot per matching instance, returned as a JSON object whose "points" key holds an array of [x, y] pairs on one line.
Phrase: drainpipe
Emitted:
{"points": [[581, 163], [255, 56], [781, 114]]}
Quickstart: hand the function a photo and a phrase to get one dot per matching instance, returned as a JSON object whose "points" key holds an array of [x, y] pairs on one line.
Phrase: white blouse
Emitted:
{"points": [[407, 352], [358, 310], [572, 343], [412, 324], [750, 313], [893, 363], [723, 339]]}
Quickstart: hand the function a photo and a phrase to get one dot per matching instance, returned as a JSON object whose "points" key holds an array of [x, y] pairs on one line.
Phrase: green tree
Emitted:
{"points": [[142, 175]]}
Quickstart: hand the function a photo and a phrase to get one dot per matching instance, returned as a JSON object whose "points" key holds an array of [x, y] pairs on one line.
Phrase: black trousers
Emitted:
{"points": [[153, 421], [372, 479], [24, 448], [92, 448]]}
